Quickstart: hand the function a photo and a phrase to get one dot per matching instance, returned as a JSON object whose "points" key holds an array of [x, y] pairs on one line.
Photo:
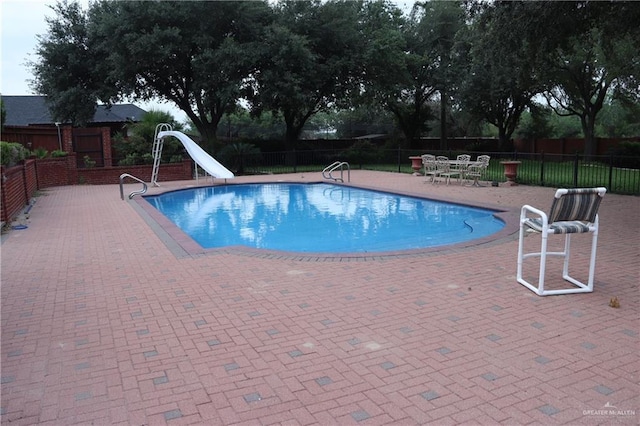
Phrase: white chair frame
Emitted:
{"points": [[547, 229]]}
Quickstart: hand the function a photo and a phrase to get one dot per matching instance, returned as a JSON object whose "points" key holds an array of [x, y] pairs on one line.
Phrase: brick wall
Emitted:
{"points": [[54, 171], [14, 193], [111, 175], [18, 184]]}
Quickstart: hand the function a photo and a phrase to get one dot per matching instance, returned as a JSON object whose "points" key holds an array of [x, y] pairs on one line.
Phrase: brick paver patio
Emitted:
{"points": [[107, 320]]}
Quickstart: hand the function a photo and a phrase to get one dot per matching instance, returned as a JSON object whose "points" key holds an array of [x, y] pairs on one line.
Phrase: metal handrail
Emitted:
{"points": [[326, 173], [134, 193]]}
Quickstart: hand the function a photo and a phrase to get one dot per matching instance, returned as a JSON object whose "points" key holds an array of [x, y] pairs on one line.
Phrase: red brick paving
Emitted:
{"points": [[104, 323]]}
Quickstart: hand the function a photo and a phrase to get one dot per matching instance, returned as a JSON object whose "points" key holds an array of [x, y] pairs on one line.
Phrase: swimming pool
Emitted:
{"points": [[320, 218]]}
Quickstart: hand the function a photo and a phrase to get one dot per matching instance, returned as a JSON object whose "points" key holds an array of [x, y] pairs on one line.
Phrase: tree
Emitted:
{"points": [[309, 62], [502, 74], [399, 71], [595, 56], [440, 25], [194, 54], [365, 120], [65, 72]]}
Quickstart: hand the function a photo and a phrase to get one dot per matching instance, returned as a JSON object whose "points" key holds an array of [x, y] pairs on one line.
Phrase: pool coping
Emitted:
{"points": [[182, 245]]}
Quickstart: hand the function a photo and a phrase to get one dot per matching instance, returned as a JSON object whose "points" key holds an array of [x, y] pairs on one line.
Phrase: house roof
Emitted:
{"points": [[31, 110]]}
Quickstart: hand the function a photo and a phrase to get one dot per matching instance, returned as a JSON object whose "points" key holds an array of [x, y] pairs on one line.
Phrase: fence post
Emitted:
{"points": [[575, 170], [295, 161], [542, 168], [610, 170], [399, 160]]}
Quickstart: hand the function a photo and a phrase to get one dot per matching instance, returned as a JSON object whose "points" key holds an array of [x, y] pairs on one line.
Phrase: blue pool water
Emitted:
{"points": [[320, 218]]}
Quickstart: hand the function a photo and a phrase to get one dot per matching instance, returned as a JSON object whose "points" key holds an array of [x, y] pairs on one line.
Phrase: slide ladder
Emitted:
{"points": [[197, 154], [157, 150], [327, 172]]}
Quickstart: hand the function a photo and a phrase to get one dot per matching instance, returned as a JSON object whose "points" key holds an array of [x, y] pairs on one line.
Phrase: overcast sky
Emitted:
{"points": [[20, 22]]}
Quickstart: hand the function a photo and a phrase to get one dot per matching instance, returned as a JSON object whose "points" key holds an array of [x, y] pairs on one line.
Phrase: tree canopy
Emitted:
{"points": [[486, 61]]}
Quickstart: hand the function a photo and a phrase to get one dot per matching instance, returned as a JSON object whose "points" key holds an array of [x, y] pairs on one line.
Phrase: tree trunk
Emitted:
{"points": [[503, 142], [588, 128], [443, 121], [208, 134]]}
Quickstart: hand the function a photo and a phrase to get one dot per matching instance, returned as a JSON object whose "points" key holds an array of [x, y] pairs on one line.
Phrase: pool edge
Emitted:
{"points": [[181, 245]]}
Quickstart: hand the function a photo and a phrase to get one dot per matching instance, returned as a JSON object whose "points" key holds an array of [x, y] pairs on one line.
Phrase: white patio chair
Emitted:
{"points": [[477, 170], [573, 211], [461, 166], [444, 166], [430, 167]]}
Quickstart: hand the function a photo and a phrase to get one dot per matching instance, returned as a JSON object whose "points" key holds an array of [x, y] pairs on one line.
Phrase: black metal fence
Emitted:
{"points": [[619, 174]]}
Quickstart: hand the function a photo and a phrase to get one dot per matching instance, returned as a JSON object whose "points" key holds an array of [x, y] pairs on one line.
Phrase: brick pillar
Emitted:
{"points": [[67, 139], [72, 169], [106, 146]]}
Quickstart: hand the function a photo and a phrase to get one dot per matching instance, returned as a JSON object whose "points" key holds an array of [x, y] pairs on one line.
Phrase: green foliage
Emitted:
{"points": [[66, 71], [618, 119], [242, 125], [365, 120], [239, 155], [309, 61], [136, 148], [129, 160], [197, 55], [40, 152], [11, 153], [88, 162], [594, 56], [501, 77], [468, 62], [362, 152], [58, 153]]}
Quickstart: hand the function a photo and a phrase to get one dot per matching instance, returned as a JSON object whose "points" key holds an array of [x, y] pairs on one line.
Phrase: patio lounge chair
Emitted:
{"points": [[572, 211]]}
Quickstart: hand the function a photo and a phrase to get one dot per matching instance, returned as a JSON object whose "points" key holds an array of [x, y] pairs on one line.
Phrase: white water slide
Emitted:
{"points": [[199, 155]]}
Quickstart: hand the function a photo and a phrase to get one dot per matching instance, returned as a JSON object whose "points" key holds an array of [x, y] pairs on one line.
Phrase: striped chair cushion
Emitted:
{"points": [[577, 204], [567, 227]]}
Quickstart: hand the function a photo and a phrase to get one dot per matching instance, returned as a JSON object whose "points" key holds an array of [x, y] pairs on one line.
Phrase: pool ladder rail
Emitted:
{"points": [[134, 193], [327, 172]]}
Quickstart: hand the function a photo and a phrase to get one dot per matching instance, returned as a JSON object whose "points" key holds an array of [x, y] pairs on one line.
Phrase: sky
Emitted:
{"points": [[20, 22]]}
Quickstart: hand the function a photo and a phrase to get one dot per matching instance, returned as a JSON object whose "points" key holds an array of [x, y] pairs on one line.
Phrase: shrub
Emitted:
{"points": [[239, 155], [362, 152], [57, 153], [139, 148], [88, 162], [12, 153], [40, 152], [129, 160]]}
